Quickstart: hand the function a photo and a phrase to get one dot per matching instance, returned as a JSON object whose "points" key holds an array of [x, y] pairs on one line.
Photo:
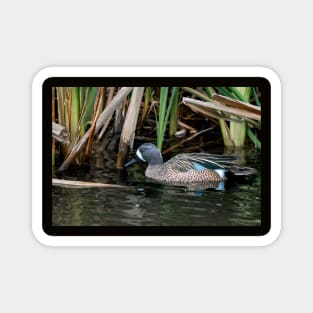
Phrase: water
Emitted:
{"points": [[143, 203]]}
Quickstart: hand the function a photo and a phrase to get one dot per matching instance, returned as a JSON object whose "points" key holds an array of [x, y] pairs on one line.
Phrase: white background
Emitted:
{"points": [[37, 34]]}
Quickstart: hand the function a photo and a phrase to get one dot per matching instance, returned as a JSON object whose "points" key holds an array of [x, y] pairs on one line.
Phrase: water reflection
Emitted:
{"points": [[144, 203]]}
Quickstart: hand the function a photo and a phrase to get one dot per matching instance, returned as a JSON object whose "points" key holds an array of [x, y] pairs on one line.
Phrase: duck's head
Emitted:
{"points": [[147, 152]]}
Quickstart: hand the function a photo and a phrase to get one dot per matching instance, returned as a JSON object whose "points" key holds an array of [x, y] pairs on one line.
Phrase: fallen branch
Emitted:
{"points": [[213, 116], [237, 103], [82, 184], [220, 107], [186, 139], [60, 133], [185, 126]]}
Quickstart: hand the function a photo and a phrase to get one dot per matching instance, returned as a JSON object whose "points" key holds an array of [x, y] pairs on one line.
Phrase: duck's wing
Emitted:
{"points": [[198, 161]]}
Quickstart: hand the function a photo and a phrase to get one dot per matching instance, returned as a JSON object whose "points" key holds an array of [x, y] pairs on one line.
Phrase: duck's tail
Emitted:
{"points": [[241, 170]]}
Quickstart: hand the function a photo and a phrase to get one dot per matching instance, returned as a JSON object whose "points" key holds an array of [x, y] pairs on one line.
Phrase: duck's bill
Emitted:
{"points": [[131, 162]]}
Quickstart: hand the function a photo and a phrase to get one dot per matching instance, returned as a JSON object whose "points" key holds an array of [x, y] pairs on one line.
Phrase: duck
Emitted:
{"points": [[186, 168]]}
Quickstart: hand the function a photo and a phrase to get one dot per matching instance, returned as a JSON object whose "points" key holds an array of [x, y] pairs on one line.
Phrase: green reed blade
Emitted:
{"points": [[173, 110], [90, 98], [255, 96], [254, 139], [242, 93], [162, 113], [75, 111], [225, 92], [210, 91]]}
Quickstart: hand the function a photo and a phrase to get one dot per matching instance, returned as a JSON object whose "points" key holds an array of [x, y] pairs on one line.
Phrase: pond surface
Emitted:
{"points": [[143, 203]]}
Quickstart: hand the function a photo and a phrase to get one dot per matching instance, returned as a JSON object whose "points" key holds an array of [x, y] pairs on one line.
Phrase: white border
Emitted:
{"points": [[42, 237]]}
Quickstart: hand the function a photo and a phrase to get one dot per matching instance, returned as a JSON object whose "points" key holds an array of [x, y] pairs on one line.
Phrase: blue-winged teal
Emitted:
{"points": [[187, 167]]}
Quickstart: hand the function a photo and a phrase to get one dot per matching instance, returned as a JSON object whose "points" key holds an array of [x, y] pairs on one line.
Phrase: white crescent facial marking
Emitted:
{"points": [[139, 155]]}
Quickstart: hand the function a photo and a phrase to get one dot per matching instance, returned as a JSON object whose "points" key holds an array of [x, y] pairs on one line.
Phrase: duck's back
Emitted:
{"points": [[191, 167]]}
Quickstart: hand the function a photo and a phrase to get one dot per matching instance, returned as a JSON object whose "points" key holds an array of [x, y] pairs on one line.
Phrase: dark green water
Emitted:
{"points": [[142, 203]]}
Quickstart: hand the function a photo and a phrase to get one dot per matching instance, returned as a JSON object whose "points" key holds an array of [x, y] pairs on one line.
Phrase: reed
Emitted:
{"points": [[237, 99], [101, 122], [146, 107], [74, 113], [53, 121], [98, 104], [87, 112], [74, 110], [161, 121], [174, 110], [129, 127], [238, 129]]}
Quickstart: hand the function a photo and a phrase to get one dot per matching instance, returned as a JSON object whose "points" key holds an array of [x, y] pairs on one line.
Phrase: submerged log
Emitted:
{"points": [[82, 184]]}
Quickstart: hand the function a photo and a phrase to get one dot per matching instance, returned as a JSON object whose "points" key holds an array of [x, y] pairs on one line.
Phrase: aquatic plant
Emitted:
{"points": [[86, 113]]}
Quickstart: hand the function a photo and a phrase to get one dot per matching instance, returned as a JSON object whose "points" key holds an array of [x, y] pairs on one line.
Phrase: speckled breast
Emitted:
{"points": [[168, 174]]}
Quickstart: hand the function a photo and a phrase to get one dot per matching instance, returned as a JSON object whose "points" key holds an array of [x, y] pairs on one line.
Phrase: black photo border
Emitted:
{"points": [[49, 229]]}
